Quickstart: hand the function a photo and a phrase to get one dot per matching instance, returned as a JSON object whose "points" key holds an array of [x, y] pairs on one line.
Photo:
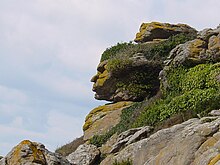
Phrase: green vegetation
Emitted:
{"points": [[112, 51], [119, 64], [150, 50], [123, 162], [70, 147], [140, 82], [195, 89]]}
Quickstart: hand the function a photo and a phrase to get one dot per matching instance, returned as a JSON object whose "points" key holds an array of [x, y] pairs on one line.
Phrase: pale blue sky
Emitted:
{"points": [[49, 50]]}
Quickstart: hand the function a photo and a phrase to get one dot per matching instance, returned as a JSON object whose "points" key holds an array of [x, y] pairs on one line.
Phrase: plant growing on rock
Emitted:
{"points": [[123, 162], [195, 89], [112, 51], [152, 50]]}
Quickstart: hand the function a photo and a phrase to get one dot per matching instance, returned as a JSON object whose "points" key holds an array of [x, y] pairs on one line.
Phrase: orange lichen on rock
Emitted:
{"points": [[103, 118], [214, 160], [26, 151], [157, 30]]}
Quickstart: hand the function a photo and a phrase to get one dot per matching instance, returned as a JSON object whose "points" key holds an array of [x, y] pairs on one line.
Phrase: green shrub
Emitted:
{"points": [[112, 51], [195, 89], [123, 162], [140, 83], [151, 51], [119, 64]]}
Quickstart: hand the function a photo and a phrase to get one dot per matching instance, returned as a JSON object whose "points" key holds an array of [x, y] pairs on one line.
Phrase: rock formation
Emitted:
{"points": [[157, 30], [165, 103], [85, 154], [32, 153], [192, 142], [96, 120]]}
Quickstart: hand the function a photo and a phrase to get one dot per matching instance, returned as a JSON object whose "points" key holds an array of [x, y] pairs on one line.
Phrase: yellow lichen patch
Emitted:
{"points": [[19, 154], [196, 47], [146, 31], [101, 124], [16, 154], [87, 124], [154, 25], [214, 43], [102, 78], [207, 144], [214, 160], [102, 110]]}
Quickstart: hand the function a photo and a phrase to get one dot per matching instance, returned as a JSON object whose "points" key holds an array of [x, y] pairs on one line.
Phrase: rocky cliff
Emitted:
{"points": [[164, 93]]}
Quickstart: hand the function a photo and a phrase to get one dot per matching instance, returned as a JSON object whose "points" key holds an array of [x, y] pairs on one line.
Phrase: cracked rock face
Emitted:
{"points": [[194, 142], [32, 153]]}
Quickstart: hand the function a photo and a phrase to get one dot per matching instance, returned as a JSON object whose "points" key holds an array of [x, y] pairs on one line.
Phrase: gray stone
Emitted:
{"points": [[205, 34], [85, 154], [215, 112], [193, 142], [130, 136], [143, 133]]}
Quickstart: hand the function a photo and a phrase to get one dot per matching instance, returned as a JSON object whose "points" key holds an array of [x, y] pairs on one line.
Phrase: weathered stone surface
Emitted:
{"points": [[103, 118], [32, 153], [157, 30], [205, 34], [190, 53], [194, 142], [107, 147], [215, 112], [205, 48], [110, 85], [86, 154], [130, 136]]}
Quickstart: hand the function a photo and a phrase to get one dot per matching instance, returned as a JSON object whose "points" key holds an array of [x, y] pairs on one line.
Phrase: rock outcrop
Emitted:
{"points": [[103, 118], [86, 154], [157, 30], [201, 50], [33, 153], [131, 74], [192, 142], [116, 85], [130, 136]]}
